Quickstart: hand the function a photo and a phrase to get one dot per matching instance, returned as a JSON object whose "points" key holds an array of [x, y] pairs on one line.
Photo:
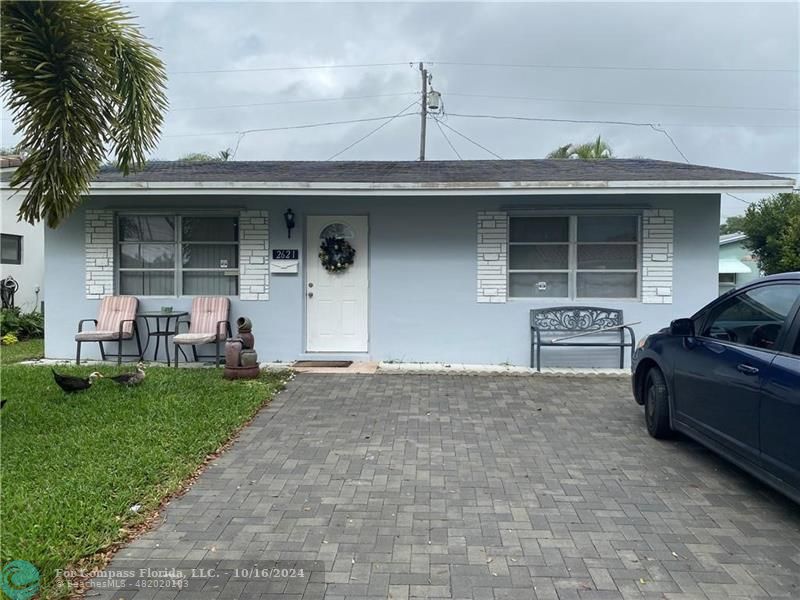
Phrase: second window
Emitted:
{"points": [[584, 256]]}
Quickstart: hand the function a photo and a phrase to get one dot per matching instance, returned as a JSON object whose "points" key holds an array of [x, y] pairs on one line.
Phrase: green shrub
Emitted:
{"points": [[23, 325]]}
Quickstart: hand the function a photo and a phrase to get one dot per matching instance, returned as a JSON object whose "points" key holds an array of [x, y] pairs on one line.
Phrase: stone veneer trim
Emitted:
{"points": [[99, 253], [254, 255], [657, 255], [492, 256]]}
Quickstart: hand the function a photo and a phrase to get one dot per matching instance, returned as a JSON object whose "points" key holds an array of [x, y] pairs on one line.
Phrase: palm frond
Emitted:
{"points": [[76, 76]]}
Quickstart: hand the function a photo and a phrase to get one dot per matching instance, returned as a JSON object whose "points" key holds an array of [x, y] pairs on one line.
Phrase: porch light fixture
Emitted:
{"points": [[288, 216]]}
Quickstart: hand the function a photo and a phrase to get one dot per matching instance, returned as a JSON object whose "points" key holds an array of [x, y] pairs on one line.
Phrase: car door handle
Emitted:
{"points": [[747, 369]]}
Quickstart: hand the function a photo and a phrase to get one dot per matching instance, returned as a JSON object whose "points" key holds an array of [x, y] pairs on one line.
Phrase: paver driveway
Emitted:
{"points": [[470, 487]]}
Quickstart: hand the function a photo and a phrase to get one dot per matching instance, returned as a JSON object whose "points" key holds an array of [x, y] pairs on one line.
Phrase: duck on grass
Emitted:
{"points": [[71, 384], [80, 462]]}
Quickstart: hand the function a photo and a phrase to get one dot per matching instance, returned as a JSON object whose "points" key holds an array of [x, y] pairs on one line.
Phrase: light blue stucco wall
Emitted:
{"points": [[423, 268]]}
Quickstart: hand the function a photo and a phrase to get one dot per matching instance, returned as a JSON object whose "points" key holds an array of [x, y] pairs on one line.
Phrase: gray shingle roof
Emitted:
{"points": [[434, 171]]}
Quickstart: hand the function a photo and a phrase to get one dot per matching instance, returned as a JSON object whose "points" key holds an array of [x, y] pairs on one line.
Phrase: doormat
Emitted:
{"points": [[323, 363]]}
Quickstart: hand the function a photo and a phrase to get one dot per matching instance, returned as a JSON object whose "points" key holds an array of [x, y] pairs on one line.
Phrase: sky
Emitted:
{"points": [[722, 79]]}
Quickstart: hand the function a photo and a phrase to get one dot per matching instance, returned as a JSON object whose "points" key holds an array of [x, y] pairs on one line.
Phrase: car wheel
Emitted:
{"points": [[656, 404]]}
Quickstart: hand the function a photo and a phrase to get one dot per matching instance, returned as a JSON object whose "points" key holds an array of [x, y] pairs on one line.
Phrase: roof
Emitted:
{"points": [[733, 265], [403, 178], [730, 238], [434, 171]]}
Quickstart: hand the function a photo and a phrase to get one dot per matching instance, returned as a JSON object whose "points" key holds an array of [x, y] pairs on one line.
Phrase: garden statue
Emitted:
{"points": [[241, 360]]}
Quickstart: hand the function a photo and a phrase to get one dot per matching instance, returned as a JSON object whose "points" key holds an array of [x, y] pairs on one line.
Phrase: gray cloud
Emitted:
{"points": [[238, 35]]}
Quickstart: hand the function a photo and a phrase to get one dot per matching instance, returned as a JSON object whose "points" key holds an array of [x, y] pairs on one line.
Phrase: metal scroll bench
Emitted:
{"points": [[573, 322]]}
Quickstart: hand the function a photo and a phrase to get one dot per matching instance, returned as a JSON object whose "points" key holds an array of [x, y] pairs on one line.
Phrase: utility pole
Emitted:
{"points": [[423, 111]]}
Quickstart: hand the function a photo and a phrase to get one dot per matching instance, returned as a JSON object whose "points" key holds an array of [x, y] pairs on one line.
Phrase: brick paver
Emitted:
{"points": [[419, 486]]}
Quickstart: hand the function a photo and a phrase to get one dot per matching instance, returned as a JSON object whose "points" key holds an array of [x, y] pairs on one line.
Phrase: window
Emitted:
{"points": [[753, 318], [574, 257], [173, 255], [11, 249]]}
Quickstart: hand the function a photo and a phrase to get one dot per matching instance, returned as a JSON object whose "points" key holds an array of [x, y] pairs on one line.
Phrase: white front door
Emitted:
{"points": [[337, 308]]}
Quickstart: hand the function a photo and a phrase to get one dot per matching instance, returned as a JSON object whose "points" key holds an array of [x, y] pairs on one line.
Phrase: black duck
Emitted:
{"points": [[71, 384]]}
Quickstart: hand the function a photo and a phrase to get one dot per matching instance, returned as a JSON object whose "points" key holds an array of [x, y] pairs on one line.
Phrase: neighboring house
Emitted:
{"points": [[737, 265], [451, 256], [21, 244]]}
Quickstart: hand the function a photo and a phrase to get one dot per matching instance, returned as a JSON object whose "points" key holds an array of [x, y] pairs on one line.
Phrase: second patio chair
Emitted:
{"points": [[209, 324], [115, 323]]}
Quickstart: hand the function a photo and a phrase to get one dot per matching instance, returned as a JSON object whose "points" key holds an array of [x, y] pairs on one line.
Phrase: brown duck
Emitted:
{"points": [[130, 379]]}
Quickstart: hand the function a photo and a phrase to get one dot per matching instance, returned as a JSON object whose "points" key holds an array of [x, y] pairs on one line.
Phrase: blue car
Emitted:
{"points": [[729, 377]]}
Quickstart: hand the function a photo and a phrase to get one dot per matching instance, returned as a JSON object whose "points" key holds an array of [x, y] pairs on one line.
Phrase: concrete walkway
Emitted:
{"points": [[447, 486]]}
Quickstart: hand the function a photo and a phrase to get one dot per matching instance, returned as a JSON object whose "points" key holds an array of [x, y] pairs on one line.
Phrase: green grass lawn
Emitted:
{"points": [[73, 465], [24, 350]]}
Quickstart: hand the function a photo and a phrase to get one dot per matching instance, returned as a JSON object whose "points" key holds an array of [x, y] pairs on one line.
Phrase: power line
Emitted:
{"points": [[616, 67], [658, 127], [303, 101], [470, 140], [285, 128], [378, 128], [492, 65], [737, 198], [294, 68], [672, 141], [603, 121], [447, 139], [622, 103]]}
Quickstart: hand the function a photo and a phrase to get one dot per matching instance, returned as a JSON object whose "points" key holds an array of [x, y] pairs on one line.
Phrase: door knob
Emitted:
{"points": [[310, 294]]}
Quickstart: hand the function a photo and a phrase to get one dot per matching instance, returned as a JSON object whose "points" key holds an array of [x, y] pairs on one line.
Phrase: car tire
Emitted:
{"points": [[656, 404]]}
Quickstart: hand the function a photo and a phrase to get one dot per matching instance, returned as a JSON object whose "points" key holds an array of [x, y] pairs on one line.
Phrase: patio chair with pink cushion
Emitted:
{"points": [[209, 324], [115, 323]]}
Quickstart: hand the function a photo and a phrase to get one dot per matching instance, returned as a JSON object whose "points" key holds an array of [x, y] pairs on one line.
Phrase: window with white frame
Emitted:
{"points": [[577, 256], [178, 255]]}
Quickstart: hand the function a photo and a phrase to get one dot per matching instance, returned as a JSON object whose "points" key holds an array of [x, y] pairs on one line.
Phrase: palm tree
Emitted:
{"points": [[590, 150], [221, 156], [79, 79]]}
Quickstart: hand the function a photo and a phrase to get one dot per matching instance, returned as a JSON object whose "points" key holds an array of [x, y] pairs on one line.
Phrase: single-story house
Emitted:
{"points": [[21, 244], [737, 265], [450, 256]]}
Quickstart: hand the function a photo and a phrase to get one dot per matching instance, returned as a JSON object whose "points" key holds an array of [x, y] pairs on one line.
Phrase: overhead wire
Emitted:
{"points": [[646, 68], [378, 128], [447, 139], [472, 141], [291, 68], [622, 102], [614, 67], [302, 101], [282, 128]]}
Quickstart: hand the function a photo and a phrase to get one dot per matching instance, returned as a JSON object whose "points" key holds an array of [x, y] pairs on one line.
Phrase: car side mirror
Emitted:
{"points": [[682, 328]]}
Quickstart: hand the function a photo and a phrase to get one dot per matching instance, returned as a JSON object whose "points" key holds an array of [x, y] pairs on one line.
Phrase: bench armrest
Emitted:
{"points": [[632, 334]]}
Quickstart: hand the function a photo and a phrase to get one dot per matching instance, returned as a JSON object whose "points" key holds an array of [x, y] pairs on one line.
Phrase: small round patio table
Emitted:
{"points": [[159, 331]]}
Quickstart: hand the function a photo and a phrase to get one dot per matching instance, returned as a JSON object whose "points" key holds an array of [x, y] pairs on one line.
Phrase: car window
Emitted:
{"points": [[754, 317]]}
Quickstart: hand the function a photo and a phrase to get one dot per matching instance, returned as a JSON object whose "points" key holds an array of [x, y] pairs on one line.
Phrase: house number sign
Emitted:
{"points": [[278, 254]]}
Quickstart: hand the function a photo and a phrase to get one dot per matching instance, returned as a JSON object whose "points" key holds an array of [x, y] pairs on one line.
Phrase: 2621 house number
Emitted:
{"points": [[285, 254]]}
